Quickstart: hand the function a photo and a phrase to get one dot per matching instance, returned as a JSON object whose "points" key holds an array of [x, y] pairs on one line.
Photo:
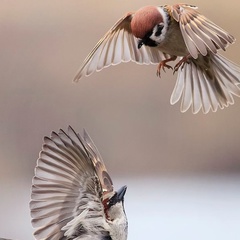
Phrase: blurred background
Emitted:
{"points": [[182, 170]]}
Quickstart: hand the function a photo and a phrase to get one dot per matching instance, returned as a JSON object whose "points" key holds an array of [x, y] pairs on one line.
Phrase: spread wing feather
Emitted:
{"points": [[118, 45], [67, 181], [105, 179], [200, 34]]}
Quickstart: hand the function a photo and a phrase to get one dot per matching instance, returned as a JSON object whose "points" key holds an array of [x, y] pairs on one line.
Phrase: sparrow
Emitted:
{"points": [[159, 34], [72, 195]]}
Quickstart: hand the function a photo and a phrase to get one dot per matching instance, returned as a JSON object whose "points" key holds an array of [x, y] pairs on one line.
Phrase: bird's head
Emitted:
{"points": [[115, 205], [116, 215], [148, 24]]}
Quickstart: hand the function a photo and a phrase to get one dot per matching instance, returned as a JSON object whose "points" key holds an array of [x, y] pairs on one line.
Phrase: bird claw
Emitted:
{"points": [[177, 66], [162, 65], [181, 63]]}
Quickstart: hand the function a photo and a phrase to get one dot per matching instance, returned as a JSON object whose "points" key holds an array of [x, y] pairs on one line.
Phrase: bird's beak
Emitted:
{"points": [[118, 196], [120, 193], [140, 43]]}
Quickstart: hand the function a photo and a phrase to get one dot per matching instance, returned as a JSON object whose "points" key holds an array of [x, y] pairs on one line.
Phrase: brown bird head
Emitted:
{"points": [[144, 20]]}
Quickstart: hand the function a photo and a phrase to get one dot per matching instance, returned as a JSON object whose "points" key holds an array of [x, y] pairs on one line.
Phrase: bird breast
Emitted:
{"points": [[173, 43]]}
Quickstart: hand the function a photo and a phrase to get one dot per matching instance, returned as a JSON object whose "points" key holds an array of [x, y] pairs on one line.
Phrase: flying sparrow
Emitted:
{"points": [[72, 192], [157, 35]]}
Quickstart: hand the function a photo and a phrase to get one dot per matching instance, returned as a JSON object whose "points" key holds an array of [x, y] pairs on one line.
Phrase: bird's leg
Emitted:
{"points": [[181, 63], [163, 64]]}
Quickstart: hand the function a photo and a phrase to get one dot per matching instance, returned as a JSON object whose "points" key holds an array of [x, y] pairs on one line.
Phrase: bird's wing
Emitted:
{"points": [[65, 184], [199, 33], [105, 179], [118, 45]]}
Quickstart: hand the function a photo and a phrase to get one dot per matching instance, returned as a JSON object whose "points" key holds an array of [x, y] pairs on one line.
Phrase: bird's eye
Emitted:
{"points": [[147, 41], [159, 30], [112, 200]]}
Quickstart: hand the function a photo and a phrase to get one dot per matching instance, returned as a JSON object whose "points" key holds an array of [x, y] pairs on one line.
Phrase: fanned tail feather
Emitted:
{"points": [[207, 83]]}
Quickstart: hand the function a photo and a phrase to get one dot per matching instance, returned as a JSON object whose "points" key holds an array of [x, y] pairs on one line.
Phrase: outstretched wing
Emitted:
{"points": [[199, 33], [105, 179], [118, 45], [65, 184]]}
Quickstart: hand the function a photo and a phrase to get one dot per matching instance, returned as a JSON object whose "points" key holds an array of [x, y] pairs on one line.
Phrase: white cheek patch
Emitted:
{"points": [[156, 37]]}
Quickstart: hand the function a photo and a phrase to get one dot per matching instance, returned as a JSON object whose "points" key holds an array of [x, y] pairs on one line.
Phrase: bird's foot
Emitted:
{"points": [[181, 63], [164, 64]]}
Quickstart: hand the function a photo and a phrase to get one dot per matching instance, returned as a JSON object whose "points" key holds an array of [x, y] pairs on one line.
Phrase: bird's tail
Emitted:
{"points": [[207, 83]]}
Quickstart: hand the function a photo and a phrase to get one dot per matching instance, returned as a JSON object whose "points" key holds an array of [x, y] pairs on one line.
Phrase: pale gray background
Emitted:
{"points": [[182, 170]]}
